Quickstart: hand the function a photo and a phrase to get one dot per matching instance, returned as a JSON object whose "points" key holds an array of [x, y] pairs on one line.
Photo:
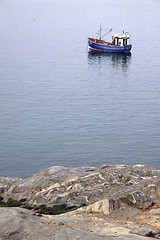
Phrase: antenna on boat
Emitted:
{"points": [[100, 31], [107, 32]]}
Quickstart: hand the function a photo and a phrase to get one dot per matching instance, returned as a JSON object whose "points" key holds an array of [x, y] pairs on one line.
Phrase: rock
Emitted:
{"points": [[139, 200], [153, 189], [78, 186], [21, 224], [1, 189], [102, 207], [109, 192]]}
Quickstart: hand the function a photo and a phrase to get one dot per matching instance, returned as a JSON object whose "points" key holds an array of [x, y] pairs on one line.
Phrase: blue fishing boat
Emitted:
{"points": [[119, 44]]}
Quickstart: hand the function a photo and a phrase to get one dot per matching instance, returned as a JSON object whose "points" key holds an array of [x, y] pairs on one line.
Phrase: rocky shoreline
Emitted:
{"points": [[107, 202]]}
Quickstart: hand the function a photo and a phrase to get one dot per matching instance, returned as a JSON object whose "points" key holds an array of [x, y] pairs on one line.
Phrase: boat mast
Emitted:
{"points": [[100, 31]]}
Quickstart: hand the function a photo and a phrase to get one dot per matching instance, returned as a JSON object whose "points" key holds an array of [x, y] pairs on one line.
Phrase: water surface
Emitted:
{"points": [[59, 104]]}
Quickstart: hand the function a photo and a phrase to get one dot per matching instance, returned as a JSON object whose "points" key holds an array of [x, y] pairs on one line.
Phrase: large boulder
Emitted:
{"points": [[99, 207], [139, 200], [104, 206]]}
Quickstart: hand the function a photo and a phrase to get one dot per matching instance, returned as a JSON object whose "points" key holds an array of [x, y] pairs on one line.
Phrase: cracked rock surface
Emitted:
{"points": [[109, 202]]}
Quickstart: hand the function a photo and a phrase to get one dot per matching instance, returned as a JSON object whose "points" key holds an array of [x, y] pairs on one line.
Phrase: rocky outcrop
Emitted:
{"points": [[22, 224], [108, 194], [79, 186]]}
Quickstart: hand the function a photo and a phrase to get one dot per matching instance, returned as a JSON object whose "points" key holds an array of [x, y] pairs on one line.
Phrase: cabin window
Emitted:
{"points": [[124, 42]]}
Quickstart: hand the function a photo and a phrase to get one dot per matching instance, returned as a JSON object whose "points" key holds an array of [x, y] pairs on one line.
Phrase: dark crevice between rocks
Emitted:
{"points": [[153, 235], [54, 210], [14, 203], [40, 209]]}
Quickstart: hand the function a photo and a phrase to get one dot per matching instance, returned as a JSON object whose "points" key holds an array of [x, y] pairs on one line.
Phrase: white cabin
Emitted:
{"points": [[118, 40]]}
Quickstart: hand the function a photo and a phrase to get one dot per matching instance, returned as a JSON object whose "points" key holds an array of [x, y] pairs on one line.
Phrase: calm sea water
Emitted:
{"points": [[60, 105]]}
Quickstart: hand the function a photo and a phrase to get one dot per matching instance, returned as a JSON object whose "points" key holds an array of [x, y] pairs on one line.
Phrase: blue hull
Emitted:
{"points": [[108, 48]]}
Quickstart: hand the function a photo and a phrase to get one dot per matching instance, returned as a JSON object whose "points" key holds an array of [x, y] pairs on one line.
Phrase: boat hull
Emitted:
{"points": [[108, 48]]}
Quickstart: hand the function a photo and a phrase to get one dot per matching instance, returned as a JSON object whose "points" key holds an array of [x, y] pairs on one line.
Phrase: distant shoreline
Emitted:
{"points": [[79, 167]]}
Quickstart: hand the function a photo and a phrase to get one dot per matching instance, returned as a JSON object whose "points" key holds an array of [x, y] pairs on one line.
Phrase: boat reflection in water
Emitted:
{"points": [[117, 59]]}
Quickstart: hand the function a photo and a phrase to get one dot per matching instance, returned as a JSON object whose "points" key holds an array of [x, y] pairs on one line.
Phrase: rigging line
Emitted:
{"points": [[107, 32]]}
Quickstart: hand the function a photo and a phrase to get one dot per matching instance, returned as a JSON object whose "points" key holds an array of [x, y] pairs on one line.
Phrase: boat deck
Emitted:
{"points": [[100, 41]]}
